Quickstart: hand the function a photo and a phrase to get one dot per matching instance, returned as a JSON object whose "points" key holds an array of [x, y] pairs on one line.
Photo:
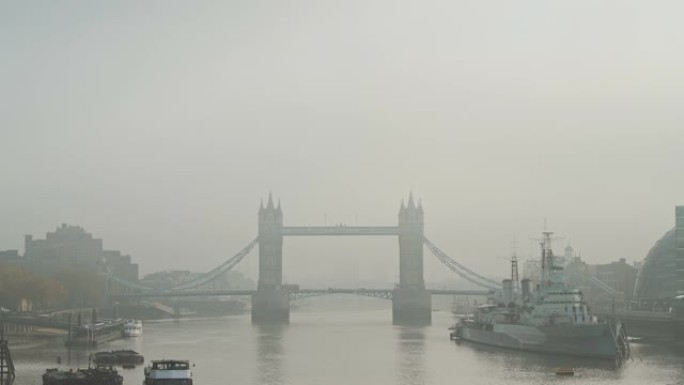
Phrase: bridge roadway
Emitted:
{"points": [[381, 293]]}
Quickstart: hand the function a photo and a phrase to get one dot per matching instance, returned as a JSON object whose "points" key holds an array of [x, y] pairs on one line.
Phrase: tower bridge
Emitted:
{"points": [[411, 301]]}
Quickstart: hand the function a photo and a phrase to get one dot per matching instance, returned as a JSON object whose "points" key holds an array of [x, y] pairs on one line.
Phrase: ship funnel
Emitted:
{"points": [[507, 286], [525, 286]]}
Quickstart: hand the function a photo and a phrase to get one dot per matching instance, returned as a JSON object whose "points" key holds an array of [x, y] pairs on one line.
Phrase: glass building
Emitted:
{"points": [[662, 274]]}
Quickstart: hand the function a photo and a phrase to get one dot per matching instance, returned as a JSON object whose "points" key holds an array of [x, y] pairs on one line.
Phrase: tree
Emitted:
{"points": [[17, 283], [84, 287]]}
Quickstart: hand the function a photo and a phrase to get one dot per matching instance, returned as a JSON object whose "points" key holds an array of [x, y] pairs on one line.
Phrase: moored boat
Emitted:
{"points": [[92, 376], [554, 318], [132, 328], [118, 357], [94, 334], [168, 372]]}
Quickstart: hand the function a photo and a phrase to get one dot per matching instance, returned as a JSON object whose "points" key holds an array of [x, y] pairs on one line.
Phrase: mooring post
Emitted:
{"points": [[69, 335]]}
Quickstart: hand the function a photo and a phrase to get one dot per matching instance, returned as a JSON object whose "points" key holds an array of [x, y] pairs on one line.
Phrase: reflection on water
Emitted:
{"points": [[667, 348], [76, 357], [536, 362], [269, 350], [411, 356], [347, 347]]}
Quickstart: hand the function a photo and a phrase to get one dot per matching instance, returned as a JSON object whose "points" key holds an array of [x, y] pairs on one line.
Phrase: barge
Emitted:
{"points": [[99, 375], [93, 334], [118, 357]]}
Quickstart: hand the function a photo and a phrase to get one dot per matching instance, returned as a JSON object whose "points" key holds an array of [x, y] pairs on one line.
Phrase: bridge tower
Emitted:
{"points": [[271, 302], [411, 303]]}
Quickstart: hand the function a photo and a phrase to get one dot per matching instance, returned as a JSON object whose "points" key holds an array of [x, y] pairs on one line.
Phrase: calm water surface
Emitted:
{"points": [[355, 346]]}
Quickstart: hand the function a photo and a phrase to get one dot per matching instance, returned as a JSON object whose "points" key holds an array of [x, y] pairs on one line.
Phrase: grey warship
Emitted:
{"points": [[553, 318]]}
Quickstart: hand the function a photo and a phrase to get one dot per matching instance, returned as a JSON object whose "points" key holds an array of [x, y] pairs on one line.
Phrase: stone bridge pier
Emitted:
{"points": [[271, 302], [411, 303]]}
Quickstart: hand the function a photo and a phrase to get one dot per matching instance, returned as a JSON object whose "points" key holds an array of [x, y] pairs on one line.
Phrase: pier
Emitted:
{"points": [[6, 364]]}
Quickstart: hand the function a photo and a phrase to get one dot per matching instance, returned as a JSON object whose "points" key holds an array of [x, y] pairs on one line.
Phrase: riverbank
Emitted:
{"points": [[34, 338]]}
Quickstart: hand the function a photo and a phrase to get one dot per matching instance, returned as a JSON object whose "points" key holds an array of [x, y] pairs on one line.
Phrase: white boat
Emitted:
{"points": [[168, 372], [132, 328]]}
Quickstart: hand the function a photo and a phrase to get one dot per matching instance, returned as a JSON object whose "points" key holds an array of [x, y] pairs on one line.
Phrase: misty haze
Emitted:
{"points": [[318, 191]]}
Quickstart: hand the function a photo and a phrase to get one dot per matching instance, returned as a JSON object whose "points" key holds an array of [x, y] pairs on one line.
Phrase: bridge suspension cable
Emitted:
{"points": [[131, 285], [603, 286], [199, 281], [217, 271], [459, 269]]}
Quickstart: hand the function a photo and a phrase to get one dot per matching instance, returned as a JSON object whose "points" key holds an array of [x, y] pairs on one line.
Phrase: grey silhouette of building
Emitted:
{"points": [[72, 247], [620, 276], [10, 256]]}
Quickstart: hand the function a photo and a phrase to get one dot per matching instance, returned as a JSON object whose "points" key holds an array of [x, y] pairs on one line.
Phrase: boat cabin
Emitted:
{"points": [[168, 372]]}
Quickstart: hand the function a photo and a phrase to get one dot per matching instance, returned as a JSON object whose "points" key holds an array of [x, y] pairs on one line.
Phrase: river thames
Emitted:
{"points": [[357, 345]]}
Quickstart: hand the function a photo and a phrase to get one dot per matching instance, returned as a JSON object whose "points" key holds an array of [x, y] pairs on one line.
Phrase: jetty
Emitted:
{"points": [[6, 364]]}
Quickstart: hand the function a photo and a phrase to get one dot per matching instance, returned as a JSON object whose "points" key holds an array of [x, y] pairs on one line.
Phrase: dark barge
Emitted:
{"points": [[99, 375], [118, 357]]}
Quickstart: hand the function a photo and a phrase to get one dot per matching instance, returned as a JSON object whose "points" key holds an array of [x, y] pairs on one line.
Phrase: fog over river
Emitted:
{"points": [[345, 340]]}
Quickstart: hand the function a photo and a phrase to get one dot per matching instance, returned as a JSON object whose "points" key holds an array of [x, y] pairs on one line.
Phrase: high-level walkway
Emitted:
{"points": [[339, 230]]}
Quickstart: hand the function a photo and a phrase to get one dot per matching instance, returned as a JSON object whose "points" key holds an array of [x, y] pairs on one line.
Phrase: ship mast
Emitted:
{"points": [[514, 272], [546, 257]]}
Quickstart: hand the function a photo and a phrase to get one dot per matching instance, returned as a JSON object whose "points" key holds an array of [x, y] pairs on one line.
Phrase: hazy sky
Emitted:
{"points": [[159, 125]]}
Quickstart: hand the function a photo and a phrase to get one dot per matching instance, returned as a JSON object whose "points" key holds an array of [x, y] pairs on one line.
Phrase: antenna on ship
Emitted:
{"points": [[543, 256], [514, 271], [547, 257]]}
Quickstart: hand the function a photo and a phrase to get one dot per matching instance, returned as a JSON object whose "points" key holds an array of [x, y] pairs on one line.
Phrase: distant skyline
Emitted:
{"points": [[159, 126]]}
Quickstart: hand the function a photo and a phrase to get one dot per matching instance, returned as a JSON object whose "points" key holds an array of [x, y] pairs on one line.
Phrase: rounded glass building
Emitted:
{"points": [[662, 274]]}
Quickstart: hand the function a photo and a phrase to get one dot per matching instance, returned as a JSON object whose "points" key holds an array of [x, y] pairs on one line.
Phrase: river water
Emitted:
{"points": [[353, 343]]}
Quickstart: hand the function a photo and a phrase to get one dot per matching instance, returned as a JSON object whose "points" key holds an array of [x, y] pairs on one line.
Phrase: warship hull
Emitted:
{"points": [[602, 341]]}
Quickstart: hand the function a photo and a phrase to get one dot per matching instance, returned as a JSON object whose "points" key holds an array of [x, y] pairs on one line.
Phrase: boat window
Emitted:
{"points": [[171, 366]]}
